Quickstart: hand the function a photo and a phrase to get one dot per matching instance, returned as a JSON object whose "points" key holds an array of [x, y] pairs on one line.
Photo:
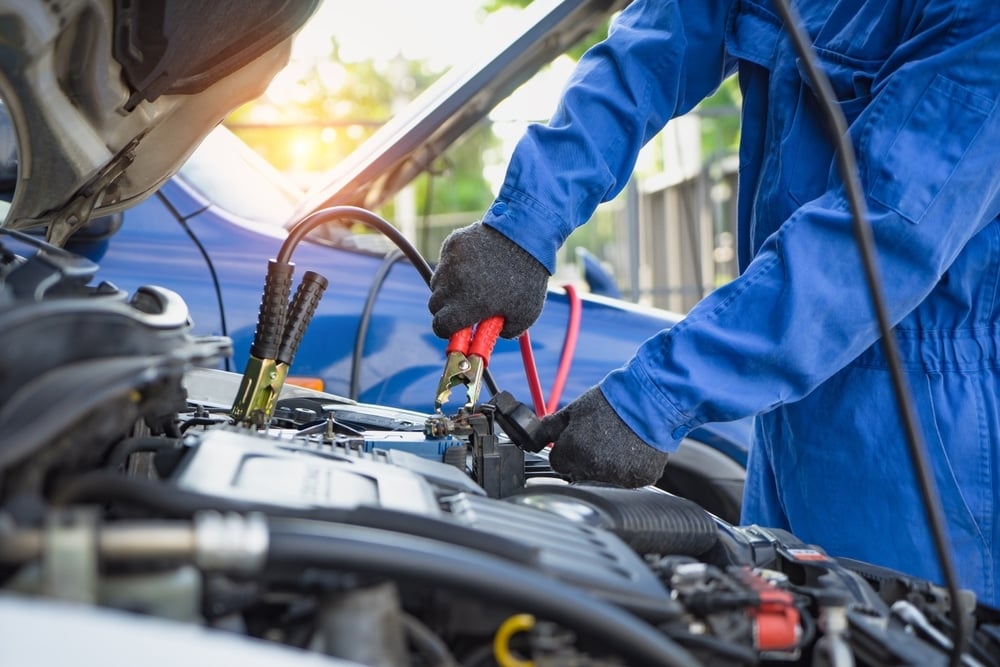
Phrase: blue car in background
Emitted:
{"points": [[209, 231]]}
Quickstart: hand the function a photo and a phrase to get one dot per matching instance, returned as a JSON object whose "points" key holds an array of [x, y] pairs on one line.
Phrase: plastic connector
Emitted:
{"points": [[518, 421]]}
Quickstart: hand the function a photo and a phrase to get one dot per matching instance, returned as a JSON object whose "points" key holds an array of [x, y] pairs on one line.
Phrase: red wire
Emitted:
{"points": [[568, 349], [531, 374], [565, 358]]}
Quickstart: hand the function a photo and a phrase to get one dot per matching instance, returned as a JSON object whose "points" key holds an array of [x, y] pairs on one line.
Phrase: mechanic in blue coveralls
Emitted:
{"points": [[793, 340]]}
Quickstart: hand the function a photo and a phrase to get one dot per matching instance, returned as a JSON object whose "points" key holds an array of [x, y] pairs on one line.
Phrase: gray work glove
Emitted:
{"points": [[591, 443], [482, 273]]}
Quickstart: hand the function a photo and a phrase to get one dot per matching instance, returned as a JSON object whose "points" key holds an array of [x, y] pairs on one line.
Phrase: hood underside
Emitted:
{"points": [[108, 97]]}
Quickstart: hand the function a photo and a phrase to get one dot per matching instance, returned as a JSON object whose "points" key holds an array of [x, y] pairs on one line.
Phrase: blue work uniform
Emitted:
{"points": [[794, 339]]}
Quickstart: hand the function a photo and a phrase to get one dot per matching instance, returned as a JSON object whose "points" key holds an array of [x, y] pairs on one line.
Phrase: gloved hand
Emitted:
{"points": [[482, 273], [592, 443]]}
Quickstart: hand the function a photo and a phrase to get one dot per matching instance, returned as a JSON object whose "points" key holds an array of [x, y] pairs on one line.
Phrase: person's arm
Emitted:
{"points": [[928, 158], [656, 63]]}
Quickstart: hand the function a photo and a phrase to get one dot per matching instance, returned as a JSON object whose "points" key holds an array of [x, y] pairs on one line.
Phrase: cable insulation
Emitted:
{"points": [[531, 374], [568, 348]]}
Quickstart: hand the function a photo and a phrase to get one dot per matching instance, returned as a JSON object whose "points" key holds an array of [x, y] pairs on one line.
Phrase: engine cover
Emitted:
{"points": [[367, 487]]}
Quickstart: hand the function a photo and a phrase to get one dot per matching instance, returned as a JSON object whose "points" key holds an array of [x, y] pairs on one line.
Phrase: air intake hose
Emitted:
{"points": [[650, 522]]}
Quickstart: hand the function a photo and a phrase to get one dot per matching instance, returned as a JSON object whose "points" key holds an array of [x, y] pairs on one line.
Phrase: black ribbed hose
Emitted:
{"points": [[652, 522]]}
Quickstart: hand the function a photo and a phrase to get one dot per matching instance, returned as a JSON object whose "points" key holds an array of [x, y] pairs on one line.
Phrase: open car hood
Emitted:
{"points": [[408, 144], [107, 98]]}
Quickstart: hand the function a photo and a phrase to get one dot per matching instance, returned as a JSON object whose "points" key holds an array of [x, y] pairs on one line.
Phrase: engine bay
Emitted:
{"points": [[138, 519]]}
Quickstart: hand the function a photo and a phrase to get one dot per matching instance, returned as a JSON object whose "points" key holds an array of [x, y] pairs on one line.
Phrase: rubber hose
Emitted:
{"points": [[478, 575], [648, 521]]}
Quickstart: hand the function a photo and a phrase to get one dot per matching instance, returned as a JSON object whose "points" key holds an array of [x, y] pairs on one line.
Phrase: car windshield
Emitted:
{"points": [[230, 174]]}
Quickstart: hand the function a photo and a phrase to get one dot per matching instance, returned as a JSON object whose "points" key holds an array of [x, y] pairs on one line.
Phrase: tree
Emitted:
{"points": [[328, 106], [317, 112]]}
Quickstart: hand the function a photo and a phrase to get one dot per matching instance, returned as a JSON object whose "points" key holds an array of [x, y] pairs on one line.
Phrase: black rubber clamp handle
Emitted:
{"points": [[300, 314], [273, 307]]}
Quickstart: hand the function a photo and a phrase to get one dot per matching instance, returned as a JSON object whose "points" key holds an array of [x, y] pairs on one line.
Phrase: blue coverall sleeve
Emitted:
{"points": [[656, 63], [927, 149]]}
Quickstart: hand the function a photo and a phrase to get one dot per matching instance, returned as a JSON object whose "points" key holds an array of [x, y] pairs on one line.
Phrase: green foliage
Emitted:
{"points": [[451, 187], [494, 5], [331, 106], [720, 120]]}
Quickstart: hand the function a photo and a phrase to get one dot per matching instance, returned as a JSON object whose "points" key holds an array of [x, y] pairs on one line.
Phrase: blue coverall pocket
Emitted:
{"points": [[928, 146], [961, 454], [806, 143], [833, 467]]}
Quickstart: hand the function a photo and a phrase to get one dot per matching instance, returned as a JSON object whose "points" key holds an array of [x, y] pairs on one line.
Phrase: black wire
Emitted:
{"points": [[428, 644], [201, 421], [836, 125], [354, 389], [36, 242], [208, 262], [313, 544], [479, 657], [120, 453], [300, 229], [732, 653], [108, 486]]}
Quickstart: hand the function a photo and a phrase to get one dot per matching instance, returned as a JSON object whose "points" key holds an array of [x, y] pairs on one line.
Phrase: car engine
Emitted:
{"points": [[138, 523]]}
